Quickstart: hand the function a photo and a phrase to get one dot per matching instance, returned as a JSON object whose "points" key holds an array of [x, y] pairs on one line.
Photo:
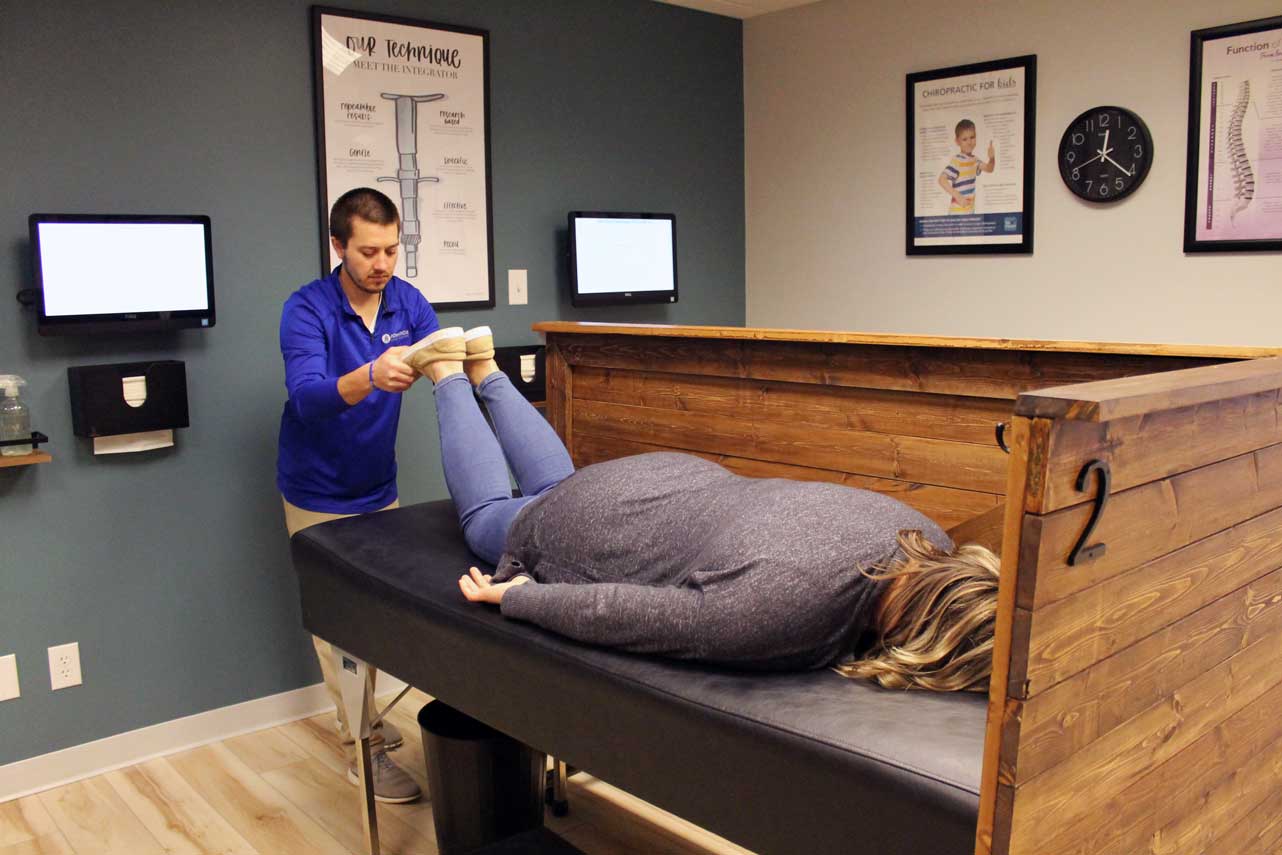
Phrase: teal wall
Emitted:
{"points": [[171, 568]]}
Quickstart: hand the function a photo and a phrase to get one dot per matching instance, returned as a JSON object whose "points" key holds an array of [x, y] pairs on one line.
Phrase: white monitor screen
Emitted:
{"points": [[624, 256], [113, 268]]}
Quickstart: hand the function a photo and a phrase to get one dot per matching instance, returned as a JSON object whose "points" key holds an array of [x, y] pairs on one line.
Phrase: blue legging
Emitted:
{"points": [[476, 463]]}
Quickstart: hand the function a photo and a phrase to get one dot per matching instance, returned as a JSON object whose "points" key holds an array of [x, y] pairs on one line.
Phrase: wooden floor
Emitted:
{"points": [[284, 791]]}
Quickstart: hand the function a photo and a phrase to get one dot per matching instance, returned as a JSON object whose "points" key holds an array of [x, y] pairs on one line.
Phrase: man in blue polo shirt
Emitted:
{"points": [[342, 338]]}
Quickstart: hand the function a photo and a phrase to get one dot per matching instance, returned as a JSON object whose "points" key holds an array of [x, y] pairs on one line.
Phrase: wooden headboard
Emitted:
{"points": [[912, 416], [1133, 706]]}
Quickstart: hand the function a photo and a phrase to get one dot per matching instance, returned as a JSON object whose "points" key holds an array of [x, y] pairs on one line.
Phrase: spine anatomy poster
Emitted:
{"points": [[969, 130], [1239, 170], [403, 107]]}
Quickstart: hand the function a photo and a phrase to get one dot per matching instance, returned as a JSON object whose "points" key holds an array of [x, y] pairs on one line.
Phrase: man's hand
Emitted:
{"points": [[391, 373], [478, 588]]}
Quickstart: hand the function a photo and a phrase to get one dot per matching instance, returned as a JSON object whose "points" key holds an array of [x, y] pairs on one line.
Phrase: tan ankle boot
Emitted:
{"points": [[443, 345], [480, 344]]}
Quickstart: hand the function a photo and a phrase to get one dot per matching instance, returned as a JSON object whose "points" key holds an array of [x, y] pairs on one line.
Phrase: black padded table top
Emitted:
{"points": [[803, 762]]}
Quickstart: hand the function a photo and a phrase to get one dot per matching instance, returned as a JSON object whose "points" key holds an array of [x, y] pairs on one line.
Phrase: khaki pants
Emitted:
{"points": [[297, 519]]}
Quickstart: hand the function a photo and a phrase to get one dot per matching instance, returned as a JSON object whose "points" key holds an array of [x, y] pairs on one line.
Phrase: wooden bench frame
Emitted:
{"points": [[1132, 707]]}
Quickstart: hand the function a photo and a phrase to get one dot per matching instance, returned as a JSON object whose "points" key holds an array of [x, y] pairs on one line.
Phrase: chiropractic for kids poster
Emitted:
{"points": [[1239, 164], [402, 107], [968, 130]]}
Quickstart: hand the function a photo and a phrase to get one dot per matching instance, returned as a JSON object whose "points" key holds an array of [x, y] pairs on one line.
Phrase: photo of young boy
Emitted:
{"points": [[958, 177]]}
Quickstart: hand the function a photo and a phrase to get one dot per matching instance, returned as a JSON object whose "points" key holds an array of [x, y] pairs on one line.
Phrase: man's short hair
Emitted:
{"points": [[963, 125], [366, 203]]}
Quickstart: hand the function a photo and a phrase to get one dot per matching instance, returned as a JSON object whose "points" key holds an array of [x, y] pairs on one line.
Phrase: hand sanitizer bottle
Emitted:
{"points": [[15, 418]]}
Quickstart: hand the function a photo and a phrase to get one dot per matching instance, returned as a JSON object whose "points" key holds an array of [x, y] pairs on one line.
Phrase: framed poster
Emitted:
{"points": [[1233, 192], [403, 106], [970, 158]]}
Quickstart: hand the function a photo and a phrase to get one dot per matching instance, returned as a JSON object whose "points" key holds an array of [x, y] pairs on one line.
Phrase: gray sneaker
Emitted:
{"points": [[392, 784], [392, 738]]}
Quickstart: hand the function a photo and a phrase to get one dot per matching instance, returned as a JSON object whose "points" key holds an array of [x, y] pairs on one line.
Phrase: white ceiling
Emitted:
{"points": [[738, 8]]}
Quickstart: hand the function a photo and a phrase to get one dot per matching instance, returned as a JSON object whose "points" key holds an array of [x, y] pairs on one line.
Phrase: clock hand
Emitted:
{"points": [[1092, 160], [1119, 166]]}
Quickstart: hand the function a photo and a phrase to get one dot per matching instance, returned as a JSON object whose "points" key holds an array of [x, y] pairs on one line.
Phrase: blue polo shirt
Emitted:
{"points": [[332, 457]]}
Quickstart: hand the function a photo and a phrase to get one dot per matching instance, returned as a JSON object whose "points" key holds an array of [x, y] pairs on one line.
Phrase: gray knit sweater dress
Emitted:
{"points": [[674, 555]]}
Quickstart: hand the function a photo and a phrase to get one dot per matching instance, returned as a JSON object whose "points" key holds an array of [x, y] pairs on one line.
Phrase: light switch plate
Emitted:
{"points": [[9, 678], [517, 287]]}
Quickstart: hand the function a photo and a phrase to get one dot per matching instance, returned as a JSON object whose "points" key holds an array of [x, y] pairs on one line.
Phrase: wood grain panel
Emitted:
{"points": [[951, 417], [261, 815], [1074, 713], [1259, 832], [947, 464], [329, 800], [1147, 448], [560, 392], [50, 844], [24, 819], [1145, 522], [1177, 787], [1080, 787], [174, 813], [945, 505], [1153, 392], [992, 830], [1224, 804], [863, 338], [986, 529], [1071, 634], [948, 371], [93, 819]]}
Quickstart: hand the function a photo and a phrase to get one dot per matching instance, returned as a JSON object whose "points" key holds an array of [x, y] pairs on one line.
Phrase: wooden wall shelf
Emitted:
{"points": [[25, 459]]}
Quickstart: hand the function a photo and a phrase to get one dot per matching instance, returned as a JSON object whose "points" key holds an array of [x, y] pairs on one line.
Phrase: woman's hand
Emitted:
{"points": [[478, 588]]}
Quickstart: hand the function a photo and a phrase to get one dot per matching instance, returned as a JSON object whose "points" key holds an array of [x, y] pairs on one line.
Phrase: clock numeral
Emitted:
{"points": [[1090, 125], [1089, 182], [1103, 189], [1139, 150], [1103, 120], [1118, 184], [1077, 174], [1134, 133], [1079, 138], [1070, 156]]}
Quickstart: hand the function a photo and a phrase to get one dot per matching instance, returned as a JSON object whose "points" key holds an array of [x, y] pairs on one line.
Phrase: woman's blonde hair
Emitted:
{"points": [[936, 619]]}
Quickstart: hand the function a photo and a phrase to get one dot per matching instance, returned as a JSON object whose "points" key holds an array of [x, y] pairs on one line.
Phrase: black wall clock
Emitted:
{"points": [[1105, 154]]}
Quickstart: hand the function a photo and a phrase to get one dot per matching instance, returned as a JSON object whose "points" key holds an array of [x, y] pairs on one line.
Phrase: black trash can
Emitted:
{"points": [[485, 786]]}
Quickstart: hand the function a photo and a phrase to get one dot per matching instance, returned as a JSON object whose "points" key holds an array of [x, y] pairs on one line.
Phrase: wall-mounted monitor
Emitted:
{"points": [[620, 259], [100, 273]]}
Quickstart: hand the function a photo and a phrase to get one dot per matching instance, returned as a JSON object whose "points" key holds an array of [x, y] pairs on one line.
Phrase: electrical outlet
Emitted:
{"points": [[9, 678], [517, 287], [64, 666]]}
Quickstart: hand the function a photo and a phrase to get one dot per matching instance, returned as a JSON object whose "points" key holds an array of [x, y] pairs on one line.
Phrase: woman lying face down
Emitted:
{"points": [[674, 555]]}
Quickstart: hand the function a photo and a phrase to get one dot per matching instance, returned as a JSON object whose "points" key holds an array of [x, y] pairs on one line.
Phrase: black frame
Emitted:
{"points": [[122, 322], [1197, 39], [1028, 63], [318, 93], [1146, 138], [620, 298]]}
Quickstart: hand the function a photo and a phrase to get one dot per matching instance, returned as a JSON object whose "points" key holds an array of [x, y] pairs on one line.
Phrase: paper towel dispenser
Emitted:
{"points": [[525, 366], [107, 400]]}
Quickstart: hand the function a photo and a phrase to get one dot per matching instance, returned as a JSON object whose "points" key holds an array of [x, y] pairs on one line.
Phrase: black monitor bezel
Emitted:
{"points": [[127, 322], [620, 298]]}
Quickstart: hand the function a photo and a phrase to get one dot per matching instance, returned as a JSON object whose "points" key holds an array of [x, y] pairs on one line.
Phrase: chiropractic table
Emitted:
{"points": [[1139, 516]]}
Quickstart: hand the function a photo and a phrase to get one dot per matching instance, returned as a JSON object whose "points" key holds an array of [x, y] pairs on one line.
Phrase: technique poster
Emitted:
{"points": [[1239, 145], [969, 187], [402, 106]]}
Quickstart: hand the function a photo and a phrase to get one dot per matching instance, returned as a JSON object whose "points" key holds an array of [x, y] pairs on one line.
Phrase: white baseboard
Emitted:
{"points": [[36, 774]]}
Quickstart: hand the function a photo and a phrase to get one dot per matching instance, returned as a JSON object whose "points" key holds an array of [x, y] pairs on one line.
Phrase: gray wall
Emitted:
{"points": [[171, 568]]}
